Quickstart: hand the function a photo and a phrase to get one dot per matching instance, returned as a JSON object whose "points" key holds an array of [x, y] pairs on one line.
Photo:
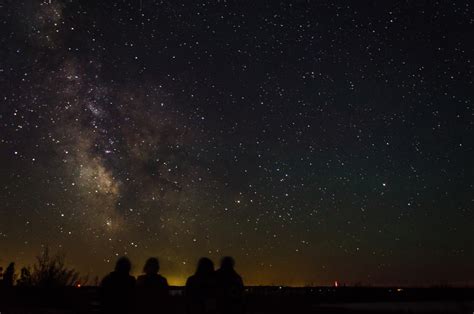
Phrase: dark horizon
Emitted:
{"points": [[250, 282], [314, 141]]}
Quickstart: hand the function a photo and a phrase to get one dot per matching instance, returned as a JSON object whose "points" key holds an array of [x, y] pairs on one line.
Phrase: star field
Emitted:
{"points": [[312, 140]]}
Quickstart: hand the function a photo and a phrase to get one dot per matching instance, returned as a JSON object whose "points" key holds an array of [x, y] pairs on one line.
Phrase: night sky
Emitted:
{"points": [[312, 140]]}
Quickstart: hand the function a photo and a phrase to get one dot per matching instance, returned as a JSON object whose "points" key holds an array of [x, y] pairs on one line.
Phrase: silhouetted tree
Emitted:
{"points": [[9, 275], [25, 278], [96, 281], [51, 271]]}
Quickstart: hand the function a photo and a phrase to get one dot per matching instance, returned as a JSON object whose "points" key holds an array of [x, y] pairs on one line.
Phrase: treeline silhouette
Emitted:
{"points": [[207, 290], [48, 271]]}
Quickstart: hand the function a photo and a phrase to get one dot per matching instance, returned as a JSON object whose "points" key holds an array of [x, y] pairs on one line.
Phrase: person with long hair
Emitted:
{"points": [[230, 288], [201, 289]]}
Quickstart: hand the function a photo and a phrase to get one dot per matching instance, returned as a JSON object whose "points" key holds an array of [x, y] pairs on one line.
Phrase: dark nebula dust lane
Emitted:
{"points": [[312, 140]]}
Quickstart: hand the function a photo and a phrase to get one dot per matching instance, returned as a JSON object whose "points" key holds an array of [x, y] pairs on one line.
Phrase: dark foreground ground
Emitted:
{"points": [[263, 300]]}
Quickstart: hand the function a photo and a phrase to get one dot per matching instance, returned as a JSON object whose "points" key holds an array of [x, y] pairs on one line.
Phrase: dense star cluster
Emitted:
{"points": [[312, 140]]}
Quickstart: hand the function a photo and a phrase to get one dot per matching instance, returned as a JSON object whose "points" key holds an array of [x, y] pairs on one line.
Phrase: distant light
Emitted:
{"points": [[399, 290], [78, 285], [336, 284]]}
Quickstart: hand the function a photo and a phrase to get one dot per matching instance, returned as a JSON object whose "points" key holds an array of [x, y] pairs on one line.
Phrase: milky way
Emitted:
{"points": [[313, 141]]}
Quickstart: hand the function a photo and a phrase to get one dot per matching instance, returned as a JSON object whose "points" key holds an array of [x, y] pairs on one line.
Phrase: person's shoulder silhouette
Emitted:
{"points": [[230, 287], [117, 288], [152, 281]]}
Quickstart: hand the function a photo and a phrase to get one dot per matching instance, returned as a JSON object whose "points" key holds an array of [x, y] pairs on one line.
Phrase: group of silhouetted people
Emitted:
{"points": [[207, 291]]}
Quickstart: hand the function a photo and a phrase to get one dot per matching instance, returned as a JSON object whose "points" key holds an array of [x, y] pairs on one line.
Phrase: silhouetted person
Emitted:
{"points": [[152, 289], [118, 289], [201, 289], [230, 287]]}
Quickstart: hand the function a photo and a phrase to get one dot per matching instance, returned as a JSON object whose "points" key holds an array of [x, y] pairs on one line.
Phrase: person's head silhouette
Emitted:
{"points": [[227, 263], [152, 266], [123, 265], [205, 266]]}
